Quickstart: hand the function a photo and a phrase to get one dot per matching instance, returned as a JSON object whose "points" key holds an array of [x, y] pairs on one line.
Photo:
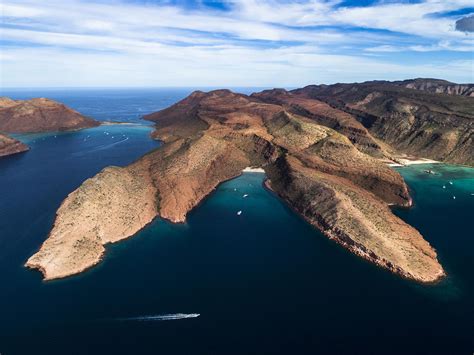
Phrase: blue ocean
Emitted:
{"points": [[264, 282]]}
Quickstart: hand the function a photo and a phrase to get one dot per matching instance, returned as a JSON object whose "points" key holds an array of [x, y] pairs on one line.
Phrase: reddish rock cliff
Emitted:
{"points": [[40, 115]]}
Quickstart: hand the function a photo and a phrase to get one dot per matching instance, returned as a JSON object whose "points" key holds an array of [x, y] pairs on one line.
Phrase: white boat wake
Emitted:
{"points": [[100, 147], [162, 317], [110, 145]]}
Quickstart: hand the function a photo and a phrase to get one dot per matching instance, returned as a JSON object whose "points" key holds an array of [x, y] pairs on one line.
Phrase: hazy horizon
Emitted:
{"points": [[197, 87]]}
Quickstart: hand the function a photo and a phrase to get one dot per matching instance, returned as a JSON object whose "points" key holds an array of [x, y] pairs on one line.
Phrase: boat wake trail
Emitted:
{"points": [[106, 146], [100, 147], [161, 317]]}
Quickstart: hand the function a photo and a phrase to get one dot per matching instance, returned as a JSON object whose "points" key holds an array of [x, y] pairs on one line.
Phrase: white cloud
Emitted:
{"points": [[262, 43], [12, 10], [459, 46], [409, 18], [291, 67], [386, 48]]}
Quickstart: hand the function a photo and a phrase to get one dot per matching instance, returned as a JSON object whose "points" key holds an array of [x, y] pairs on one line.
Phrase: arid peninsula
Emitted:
{"points": [[323, 148]]}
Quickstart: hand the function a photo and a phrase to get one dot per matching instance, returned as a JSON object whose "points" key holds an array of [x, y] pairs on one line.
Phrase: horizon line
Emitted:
{"points": [[198, 87]]}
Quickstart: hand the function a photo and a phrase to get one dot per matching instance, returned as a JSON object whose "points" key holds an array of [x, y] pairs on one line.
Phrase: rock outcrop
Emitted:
{"points": [[40, 115], [10, 146], [327, 169]]}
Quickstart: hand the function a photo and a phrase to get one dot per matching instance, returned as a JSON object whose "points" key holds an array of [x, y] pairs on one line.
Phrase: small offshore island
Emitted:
{"points": [[323, 148], [36, 116]]}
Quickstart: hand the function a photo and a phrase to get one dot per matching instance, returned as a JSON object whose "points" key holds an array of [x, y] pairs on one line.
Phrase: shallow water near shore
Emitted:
{"points": [[262, 282]]}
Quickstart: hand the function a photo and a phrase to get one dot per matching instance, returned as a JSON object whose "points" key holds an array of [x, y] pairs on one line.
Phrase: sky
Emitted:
{"points": [[258, 43]]}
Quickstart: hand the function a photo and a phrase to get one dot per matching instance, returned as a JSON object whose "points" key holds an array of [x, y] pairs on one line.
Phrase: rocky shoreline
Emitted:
{"points": [[338, 184], [10, 146], [382, 224]]}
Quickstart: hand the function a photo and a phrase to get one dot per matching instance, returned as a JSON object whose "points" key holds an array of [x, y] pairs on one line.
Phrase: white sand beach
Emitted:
{"points": [[399, 162], [253, 170]]}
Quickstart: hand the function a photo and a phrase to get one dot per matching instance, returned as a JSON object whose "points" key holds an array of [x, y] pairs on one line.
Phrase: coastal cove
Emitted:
{"points": [[263, 280]]}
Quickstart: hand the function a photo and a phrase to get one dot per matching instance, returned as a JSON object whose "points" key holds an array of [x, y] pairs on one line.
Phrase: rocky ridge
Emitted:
{"points": [[414, 122], [321, 160], [437, 86]]}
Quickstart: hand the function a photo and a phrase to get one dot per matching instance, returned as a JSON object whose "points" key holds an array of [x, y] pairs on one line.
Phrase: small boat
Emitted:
{"points": [[239, 213], [245, 195], [444, 186], [450, 183], [235, 189], [429, 172], [454, 197]]}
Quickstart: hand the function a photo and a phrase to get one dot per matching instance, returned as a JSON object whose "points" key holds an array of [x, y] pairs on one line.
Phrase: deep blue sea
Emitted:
{"points": [[264, 282]]}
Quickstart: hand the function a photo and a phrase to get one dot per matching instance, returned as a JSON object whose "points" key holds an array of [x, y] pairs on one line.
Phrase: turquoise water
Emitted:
{"points": [[264, 282], [443, 212]]}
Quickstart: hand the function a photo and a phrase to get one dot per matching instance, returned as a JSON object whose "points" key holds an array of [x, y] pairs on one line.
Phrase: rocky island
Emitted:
{"points": [[35, 116], [40, 115], [9, 146], [324, 150]]}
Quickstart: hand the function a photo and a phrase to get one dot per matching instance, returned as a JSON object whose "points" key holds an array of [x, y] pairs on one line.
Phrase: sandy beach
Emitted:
{"points": [[112, 123], [406, 161], [253, 170]]}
